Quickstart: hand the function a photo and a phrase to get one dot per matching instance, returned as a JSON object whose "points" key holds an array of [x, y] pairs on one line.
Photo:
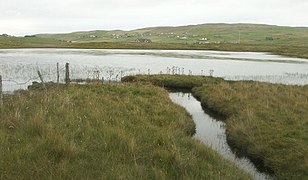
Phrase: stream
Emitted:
{"points": [[212, 132]]}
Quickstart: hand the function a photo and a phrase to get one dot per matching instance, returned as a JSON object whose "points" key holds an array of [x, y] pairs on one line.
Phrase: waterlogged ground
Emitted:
{"points": [[19, 66], [213, 133]]}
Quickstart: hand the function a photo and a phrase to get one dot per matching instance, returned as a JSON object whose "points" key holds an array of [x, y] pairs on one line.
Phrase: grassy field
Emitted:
{"points": [[267, 122], [125, 131], [30, 42]]}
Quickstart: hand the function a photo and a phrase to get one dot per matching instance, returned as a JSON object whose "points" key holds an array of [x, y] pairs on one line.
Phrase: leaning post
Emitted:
{"points": [[41, 78], [58, 74], [67, 74]]}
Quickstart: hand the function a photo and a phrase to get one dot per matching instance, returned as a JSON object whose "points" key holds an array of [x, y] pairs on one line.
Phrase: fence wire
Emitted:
{"points": [[23, 75], [20, 76]]}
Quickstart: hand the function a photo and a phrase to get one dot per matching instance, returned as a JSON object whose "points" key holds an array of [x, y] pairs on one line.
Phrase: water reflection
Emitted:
{"points": [[213, 133]]}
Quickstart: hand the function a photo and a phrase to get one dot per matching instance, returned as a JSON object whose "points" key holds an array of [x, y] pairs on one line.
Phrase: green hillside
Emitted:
{"points": [[20, 42], [205, 33], [288, 41]]}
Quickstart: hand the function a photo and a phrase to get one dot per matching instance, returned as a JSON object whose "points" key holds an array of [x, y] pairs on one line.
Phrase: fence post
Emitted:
{"points": [[67, 74], [211, 72], [58, 74], [41, 78], [1, 94]]}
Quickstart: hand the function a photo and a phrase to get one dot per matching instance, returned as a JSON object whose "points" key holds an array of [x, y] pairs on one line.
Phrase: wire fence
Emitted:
{"points": [[14, 80], [20, 76]]}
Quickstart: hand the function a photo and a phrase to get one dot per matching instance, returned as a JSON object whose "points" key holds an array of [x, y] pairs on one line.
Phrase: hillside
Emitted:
{"points": [[280, 40], [201, 34], [21, 42]]}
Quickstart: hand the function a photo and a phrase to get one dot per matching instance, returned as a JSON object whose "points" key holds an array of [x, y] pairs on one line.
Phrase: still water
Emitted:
{"points": [[18, 67], [213, 133]]}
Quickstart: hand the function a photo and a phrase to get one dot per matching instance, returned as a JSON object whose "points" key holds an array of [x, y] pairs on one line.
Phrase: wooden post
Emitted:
{"points": [[67, 73], [1, 94], [96, 75], [58, 74], [41, 78], [211, 72]]}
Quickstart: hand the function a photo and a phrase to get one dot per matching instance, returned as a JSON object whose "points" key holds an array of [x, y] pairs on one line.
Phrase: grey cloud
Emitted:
{"points": [[32, 16]]}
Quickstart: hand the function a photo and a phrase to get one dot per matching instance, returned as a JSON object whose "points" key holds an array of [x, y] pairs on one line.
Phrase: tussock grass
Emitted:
{"points": [[268, 122], [172, 81], [125, 131]]}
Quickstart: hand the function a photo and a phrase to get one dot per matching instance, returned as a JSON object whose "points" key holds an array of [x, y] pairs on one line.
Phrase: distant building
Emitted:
{"points": [[203, 39], [143, 41], [202, 42]]}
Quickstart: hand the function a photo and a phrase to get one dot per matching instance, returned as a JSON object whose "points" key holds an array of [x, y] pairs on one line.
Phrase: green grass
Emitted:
{"points": [[264, 121], [29, 42], [172, 81], [125, 131]]}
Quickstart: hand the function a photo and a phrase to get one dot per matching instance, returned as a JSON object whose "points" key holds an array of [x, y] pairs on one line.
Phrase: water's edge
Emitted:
{"points": [[212, 132], [18, 67]]}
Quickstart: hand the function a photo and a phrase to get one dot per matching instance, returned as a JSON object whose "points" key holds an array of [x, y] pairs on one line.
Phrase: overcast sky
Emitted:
{"points": [[20, 17]]}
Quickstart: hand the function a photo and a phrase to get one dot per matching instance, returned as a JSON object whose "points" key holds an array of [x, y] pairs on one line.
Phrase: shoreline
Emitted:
{"points": [[283, 50]]}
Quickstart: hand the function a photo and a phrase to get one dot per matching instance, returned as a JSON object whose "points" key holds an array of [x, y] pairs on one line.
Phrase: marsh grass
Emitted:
{"points": [[268, 122], [173, 81], [123, 131]]}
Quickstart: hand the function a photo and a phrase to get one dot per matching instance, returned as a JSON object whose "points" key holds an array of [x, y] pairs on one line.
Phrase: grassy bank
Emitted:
{"points": [[267, 122], [278, 49], [264, 121], [37, 42], [126, 131], [172, 81]]}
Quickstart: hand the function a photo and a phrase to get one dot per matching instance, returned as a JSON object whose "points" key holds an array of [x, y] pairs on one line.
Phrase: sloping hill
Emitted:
{"points": [[31, 41], [204, 33]]}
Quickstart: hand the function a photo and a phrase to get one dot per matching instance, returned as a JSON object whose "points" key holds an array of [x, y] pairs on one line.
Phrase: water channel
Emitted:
{"points": [[212, 132]]}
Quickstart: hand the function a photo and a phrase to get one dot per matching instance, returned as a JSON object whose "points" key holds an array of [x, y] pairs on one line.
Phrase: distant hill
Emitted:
{"points": [[202, 34], [282, 40]]}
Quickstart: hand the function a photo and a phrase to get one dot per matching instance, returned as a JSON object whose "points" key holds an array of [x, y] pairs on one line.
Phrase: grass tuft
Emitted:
{"points": [[124, 131], [267, 122]]}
